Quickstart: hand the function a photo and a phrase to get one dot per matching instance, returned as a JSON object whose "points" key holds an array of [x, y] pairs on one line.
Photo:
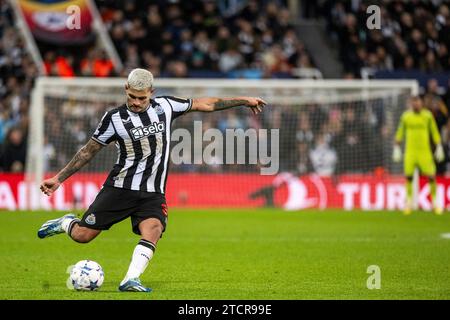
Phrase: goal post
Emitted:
{"points": [[65, 111]]}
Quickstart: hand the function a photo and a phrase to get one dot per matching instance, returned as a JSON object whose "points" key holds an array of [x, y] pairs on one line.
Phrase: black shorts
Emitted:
{"points": [[113, 205]]}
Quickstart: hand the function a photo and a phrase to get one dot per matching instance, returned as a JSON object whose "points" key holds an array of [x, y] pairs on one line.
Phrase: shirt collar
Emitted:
{"points": [[151, 102]]}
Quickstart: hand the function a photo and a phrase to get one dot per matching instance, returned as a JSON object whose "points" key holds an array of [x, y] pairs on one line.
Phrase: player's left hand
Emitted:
{"points": [[439, 153], [256, 104]]}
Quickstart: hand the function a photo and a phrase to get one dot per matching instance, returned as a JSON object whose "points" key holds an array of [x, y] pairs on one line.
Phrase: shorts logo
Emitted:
{"points": [[90, 219], [164, 209]]}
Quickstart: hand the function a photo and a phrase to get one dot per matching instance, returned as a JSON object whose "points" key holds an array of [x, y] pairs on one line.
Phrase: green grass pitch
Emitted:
{"points": [[241, 254]]}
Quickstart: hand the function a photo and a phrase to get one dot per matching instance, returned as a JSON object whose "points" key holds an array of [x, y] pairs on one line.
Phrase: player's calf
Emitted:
{"points": [[151, 229], [82, 234]]}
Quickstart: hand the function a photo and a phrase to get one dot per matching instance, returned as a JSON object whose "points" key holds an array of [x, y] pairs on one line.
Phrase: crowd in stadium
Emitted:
{"points": [[414, 35], [17, 72], [190, 39], [208, 39]]}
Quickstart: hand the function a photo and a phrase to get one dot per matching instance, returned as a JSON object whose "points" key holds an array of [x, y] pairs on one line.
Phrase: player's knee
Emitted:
{"points": [[151, 227]]}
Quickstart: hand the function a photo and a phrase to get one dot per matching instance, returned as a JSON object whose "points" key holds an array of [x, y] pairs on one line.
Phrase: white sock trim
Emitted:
{"points": [[65, 224]]}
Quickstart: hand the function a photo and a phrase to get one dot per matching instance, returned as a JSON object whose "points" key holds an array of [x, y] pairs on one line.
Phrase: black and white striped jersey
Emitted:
{"points": [[143, 143]]}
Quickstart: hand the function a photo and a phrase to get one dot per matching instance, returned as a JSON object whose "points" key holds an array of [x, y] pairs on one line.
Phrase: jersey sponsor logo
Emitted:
{"points": [[142, 132], [90, 219]]}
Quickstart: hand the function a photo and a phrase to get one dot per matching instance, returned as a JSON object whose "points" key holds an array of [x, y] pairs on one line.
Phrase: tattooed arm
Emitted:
{"points": [[83, 156], [217, 104]]}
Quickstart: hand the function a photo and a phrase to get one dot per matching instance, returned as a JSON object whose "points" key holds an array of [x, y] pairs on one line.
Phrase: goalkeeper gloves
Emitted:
{"points": [[397, 154], [439, 153]]}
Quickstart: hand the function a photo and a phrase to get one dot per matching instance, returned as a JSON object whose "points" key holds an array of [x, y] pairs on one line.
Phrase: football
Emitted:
{"points": [[86, 275]]}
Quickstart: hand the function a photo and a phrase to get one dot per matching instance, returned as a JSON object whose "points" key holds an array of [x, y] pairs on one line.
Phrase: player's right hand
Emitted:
{"points": [[397, 154], [50, 185]]}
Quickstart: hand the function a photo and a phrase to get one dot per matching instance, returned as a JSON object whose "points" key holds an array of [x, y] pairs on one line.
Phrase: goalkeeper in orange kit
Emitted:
{"points": [[416, 126]]}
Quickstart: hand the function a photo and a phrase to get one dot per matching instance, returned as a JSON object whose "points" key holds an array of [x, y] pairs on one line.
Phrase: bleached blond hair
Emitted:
{"points": [[140, 79]]}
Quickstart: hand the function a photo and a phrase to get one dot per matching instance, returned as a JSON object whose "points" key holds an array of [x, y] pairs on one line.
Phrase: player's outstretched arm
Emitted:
{"points": [[217, 104], [83, 156]]}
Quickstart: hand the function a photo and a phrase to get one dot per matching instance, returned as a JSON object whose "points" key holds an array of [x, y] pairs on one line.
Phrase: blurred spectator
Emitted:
{"points": [[176, 69], [60, 66], [430, 64], [6, 122], [304, 133], [132, 61], [14, 151], [444, 167], [350, 142], [303, 165], [97, 64], [49, 155], [434, 102], [210, 41], [323, 157], [230, 60], [447, 95], [49, 62], [152, 63], [17, 72], [103, 66], [275, 60], [86, 65], [413, 34]]}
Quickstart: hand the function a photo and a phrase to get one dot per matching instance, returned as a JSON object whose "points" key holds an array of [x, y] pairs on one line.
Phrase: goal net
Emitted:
{"points": [[317, 144]]}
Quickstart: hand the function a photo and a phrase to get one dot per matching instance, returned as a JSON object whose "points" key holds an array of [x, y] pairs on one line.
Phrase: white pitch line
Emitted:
{"points": [[445, 235]]}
